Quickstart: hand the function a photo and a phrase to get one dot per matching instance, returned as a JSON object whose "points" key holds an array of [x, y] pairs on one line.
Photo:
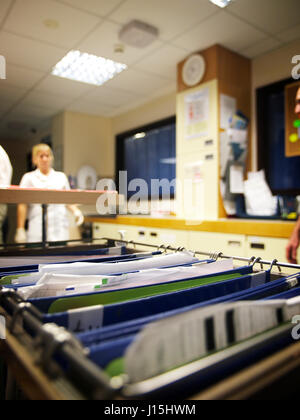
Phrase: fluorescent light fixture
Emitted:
{"points": [[87, 68], [221, 3], [140, 135]]}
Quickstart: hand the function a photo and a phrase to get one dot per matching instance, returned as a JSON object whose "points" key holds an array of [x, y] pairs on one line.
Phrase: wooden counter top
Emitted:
{"points": [[272, 229], [17, 195]]}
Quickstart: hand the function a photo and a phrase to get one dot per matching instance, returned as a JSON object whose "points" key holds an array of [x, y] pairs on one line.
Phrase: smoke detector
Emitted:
{"points": [[138, 34]]}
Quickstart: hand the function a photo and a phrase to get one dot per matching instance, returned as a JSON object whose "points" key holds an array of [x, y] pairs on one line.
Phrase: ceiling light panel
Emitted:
{"points": [[221, 3], [87, 68]]}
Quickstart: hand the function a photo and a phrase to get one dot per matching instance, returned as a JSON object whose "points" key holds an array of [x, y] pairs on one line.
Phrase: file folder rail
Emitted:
{"points": [[87, 362]]}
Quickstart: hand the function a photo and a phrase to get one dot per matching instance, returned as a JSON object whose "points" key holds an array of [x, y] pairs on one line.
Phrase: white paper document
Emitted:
{"points": [[176, 341], [121, 267], [258, 196], [238, 136], [52, 285], [228, 107], [236, 179]]}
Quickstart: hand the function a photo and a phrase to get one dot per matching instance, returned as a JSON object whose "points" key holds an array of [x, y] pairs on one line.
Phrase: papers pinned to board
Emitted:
{"points": [[258, 196]]}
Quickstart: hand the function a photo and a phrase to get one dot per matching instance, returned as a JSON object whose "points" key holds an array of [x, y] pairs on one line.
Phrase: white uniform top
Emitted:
{"points": [[5, 169], [57, 217]]}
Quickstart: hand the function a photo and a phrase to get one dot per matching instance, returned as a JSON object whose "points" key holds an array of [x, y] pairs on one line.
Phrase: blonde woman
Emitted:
{"points": [[45, 177]]}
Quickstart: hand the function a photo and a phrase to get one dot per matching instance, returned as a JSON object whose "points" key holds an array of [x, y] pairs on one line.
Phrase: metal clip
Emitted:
{"points": [[169, 248], [9, 293], [180, 249], [215, 255], [161, 247], [49, 341], [274, 262], [257, 260], [22, 307], [131, 243], [251, 260], [220, 254]]}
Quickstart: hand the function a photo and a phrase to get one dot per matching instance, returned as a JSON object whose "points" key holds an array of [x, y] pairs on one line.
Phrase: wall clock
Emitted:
{"points": [[193, 70]]}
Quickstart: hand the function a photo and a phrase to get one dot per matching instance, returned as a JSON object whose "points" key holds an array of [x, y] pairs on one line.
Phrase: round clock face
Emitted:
{"points": [[193, 70]]}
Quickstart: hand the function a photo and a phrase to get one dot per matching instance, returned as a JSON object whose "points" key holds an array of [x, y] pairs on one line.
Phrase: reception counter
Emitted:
{"points": [[244, 238], [270, 229]]}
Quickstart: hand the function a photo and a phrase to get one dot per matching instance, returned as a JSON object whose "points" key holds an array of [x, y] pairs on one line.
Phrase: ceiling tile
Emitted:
{"points": [[29, 53], [90, 107], [46, 100], [137, 82], [272, 16], [4, 107], [97, 7], [18, 117], [103, 40], [110, 96], [134, 105], [9, 93], [222, 29], [171, 17], [167, 90], [260, 48], [163, 62], [22, 77], [291, 34], [34, 112], [59, 86], [4, 6], [27, 18]]}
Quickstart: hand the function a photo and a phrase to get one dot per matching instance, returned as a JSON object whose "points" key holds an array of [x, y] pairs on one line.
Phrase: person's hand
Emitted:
{"points": [[20, 237], [292, 248], [79, 218]]}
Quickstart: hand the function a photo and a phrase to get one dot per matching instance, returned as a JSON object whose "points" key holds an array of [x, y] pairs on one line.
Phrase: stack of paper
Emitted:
{"points": [[258, 196], [51, 285]]}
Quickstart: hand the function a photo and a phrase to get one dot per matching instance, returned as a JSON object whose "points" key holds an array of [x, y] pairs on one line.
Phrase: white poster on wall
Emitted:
{"points": [[228, 107], [197, 114]]}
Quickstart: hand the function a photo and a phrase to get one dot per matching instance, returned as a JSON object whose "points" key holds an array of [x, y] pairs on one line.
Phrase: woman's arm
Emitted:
{"points": [[79, 218], [20, 236], [21, 216], [293, 245]]}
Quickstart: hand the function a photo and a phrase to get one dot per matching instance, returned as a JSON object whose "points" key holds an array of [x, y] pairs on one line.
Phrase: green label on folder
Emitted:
{"points": [[118, 296]]}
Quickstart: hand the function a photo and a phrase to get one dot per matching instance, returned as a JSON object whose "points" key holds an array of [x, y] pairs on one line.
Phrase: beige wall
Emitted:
{"points": [[270, 68], [156, 110], [81, 139], [84, 140]]}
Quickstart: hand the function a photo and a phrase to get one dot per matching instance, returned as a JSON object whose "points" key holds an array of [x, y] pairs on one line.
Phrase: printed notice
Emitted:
{"points": [[197, 114]]}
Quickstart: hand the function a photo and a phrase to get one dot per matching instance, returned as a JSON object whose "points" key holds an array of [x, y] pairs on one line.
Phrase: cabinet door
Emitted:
{"points": [[229, 245], [167, 237], [105, 230], [111, 230], [266, 248]]}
